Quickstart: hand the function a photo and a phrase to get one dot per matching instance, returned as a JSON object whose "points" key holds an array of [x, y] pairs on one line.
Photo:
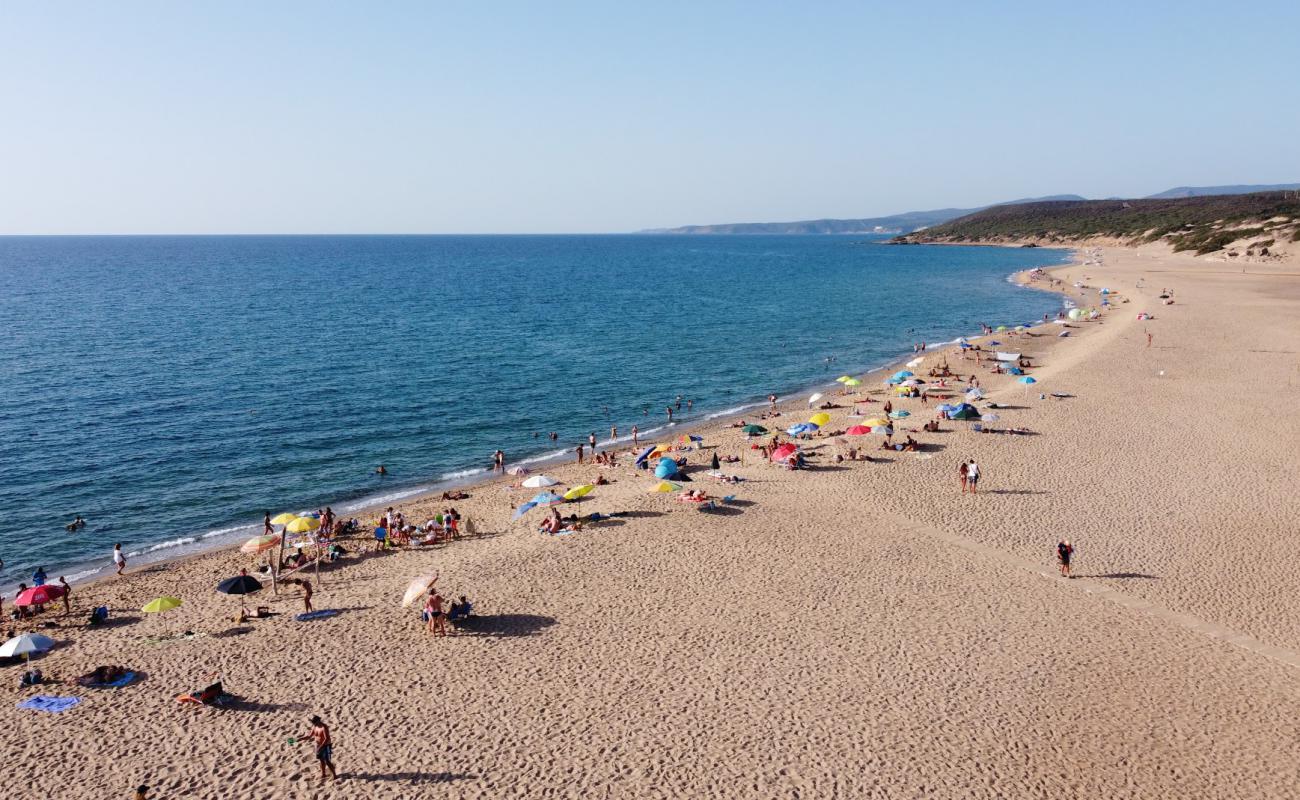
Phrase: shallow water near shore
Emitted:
{"points": [[168, 389]]}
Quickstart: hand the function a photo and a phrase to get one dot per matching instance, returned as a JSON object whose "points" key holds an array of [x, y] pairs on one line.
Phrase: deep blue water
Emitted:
{"points": [[171, 387]]}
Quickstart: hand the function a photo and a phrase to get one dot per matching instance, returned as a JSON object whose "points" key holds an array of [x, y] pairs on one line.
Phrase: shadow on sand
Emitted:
{"points": [[505, 625]]}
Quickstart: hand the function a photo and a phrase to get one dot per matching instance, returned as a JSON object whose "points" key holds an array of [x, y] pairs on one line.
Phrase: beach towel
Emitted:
{"points": [[54, 705], [322, 614], [117, 684]]}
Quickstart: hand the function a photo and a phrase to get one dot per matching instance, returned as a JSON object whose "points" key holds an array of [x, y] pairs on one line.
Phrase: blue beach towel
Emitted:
{"points": [[117, 684], [44, 702], [322, 614]]}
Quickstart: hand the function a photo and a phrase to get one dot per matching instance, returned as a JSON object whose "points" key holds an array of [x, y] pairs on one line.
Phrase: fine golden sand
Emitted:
{"points": [[853, 630]]}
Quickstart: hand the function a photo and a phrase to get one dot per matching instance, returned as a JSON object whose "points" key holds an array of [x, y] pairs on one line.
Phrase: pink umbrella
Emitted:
{"points": [[783, 452], [39, 595], [858, 430]]}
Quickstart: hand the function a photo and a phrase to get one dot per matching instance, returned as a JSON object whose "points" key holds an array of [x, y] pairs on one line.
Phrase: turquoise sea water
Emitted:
{"points": [[169, 389]]}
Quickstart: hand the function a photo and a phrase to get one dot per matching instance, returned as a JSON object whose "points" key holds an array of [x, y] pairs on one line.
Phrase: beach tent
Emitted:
{"points": [[819, 419], [539, 482], [665, 487], [964, 411], [666, 468], [901, 413]]}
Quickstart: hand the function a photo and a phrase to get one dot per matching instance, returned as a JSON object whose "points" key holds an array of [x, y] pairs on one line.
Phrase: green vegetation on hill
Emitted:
{"points": [[1203, 224]]}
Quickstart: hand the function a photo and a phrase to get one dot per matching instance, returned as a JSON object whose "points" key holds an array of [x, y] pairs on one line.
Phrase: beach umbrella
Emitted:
{"points": [[802, 428], [814, 398], [754, 430], [643, 455], [303, 525], [916, 362], [283, 519], [912, 382], [664, 487], [944, 408], [517, 471], [843, 378], [240, 584], [161, 604], [39, 595], [989, 418], [688, 438], [904, 373], [783, 452], [964, 411], [1000, 328], [540, 482], [1028, 379], [820, 419], [417, 587], [260, 544], [858, 430], [899, 414], [547, 499], [26, 644], [874, 421], [519, 512], [579, 491], [974, 393], [853, 382], [1075, 314]]}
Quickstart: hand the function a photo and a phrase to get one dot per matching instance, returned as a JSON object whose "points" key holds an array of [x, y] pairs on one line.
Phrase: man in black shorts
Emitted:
{"points": [[1063, 552]]}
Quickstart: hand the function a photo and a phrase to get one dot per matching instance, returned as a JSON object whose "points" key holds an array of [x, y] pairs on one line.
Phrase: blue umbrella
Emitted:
{"points": [[1028, 379], [803, 427], [1015, 371], [547, 499], [643, 455], [524, 509], [964, 411]]}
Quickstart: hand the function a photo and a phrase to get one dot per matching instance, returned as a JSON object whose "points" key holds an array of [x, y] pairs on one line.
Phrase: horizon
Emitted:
{"points": [[183, 119]]}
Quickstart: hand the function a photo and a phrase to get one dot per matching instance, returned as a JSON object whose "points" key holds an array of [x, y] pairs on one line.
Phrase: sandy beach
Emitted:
{"points": [[856, 629]]}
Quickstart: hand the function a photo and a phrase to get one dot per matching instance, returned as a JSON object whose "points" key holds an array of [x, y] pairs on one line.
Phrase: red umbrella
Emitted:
{"points": [[783, 452], [858, 430], [39, 595]]}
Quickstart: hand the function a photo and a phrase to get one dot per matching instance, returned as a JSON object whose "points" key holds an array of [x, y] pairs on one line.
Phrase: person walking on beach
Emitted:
{"points": [[1148, 340], [306, 596], [962, 472], [320, 736], [67, 594], [635, 441], [267, 528], [973, 475], [771, 402], [118, 558], [591, 442], [578, 450], [499, 462], [1063, 552], [613, 432]]}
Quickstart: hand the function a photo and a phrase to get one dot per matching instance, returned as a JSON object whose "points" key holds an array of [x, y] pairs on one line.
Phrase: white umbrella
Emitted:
{"points": [[417, 589], [540, 481], [974, 393], [916, 362], [817, 396], [989, 417], [518, 470], [25, 644]]}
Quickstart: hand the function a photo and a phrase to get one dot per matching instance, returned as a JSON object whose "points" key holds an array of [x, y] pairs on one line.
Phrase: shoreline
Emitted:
{"points": [[196, 545]]}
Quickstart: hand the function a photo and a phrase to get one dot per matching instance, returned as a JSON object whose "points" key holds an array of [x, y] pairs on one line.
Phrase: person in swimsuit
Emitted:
{"points": [[961, 471], [1063, 552], [973, 475], [320, 736], [306, 596], [433, 609], [118, 558]]}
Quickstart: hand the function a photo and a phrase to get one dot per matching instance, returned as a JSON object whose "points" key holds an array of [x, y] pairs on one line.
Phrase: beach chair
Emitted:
{"points": [[211, 695]]}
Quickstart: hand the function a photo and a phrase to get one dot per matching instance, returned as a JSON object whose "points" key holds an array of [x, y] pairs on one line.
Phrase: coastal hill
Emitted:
{"points": [[1261, 223], [896, 223], [1201, 191]]}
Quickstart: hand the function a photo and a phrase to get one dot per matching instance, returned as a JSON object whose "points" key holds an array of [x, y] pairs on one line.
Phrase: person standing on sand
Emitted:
{"points": [[973, 475], [578, 450], [499, 462], [1063, 552], [1148, 339], [613, 432], [771, 402], [433, 611], [118, 558], [635, 432], [67, 594], [267, 528], [306, 596], [961, 470], [591, 442], [320, 736]]}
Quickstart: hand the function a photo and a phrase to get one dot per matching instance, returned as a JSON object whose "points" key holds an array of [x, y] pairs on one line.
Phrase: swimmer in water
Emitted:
{"points": [[380, 470]]}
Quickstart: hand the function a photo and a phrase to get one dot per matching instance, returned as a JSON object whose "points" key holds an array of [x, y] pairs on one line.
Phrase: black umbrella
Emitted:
{"points": [[240, 584]]}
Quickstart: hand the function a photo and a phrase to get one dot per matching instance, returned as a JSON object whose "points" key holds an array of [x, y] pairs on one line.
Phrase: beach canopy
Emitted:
{"points": [[820, 419], [39, 595], [858, 430], [283, 519], [517, 471], [417, 587], [802, 428], [240, 584], [540, 482], [664, 487], [579, 491], [303, 525], [964, 411], [784, 451], [259, 544], [26, 644], [1028, 379], [161, 604], [814, 398], [666, 468], [754, 430]]}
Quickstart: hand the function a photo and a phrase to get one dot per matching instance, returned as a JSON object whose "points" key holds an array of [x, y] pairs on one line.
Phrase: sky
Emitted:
{"points": [[528, 117]]}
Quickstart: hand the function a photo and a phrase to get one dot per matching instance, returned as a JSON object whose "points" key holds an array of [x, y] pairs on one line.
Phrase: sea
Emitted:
{"points": [[169, 389]]}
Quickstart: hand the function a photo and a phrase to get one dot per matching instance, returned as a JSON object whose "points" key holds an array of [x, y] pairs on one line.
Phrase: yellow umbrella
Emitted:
{"points": [[820, 419], [579, 491], [258, 544], [843, 378], [853, 382], [417, 589], [283, 519], [302, 525], [874, 421], [161, 604], [664, 487]]}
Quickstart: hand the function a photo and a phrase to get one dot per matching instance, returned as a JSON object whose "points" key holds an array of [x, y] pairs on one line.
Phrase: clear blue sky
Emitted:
{"points": [[305, 117]]}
